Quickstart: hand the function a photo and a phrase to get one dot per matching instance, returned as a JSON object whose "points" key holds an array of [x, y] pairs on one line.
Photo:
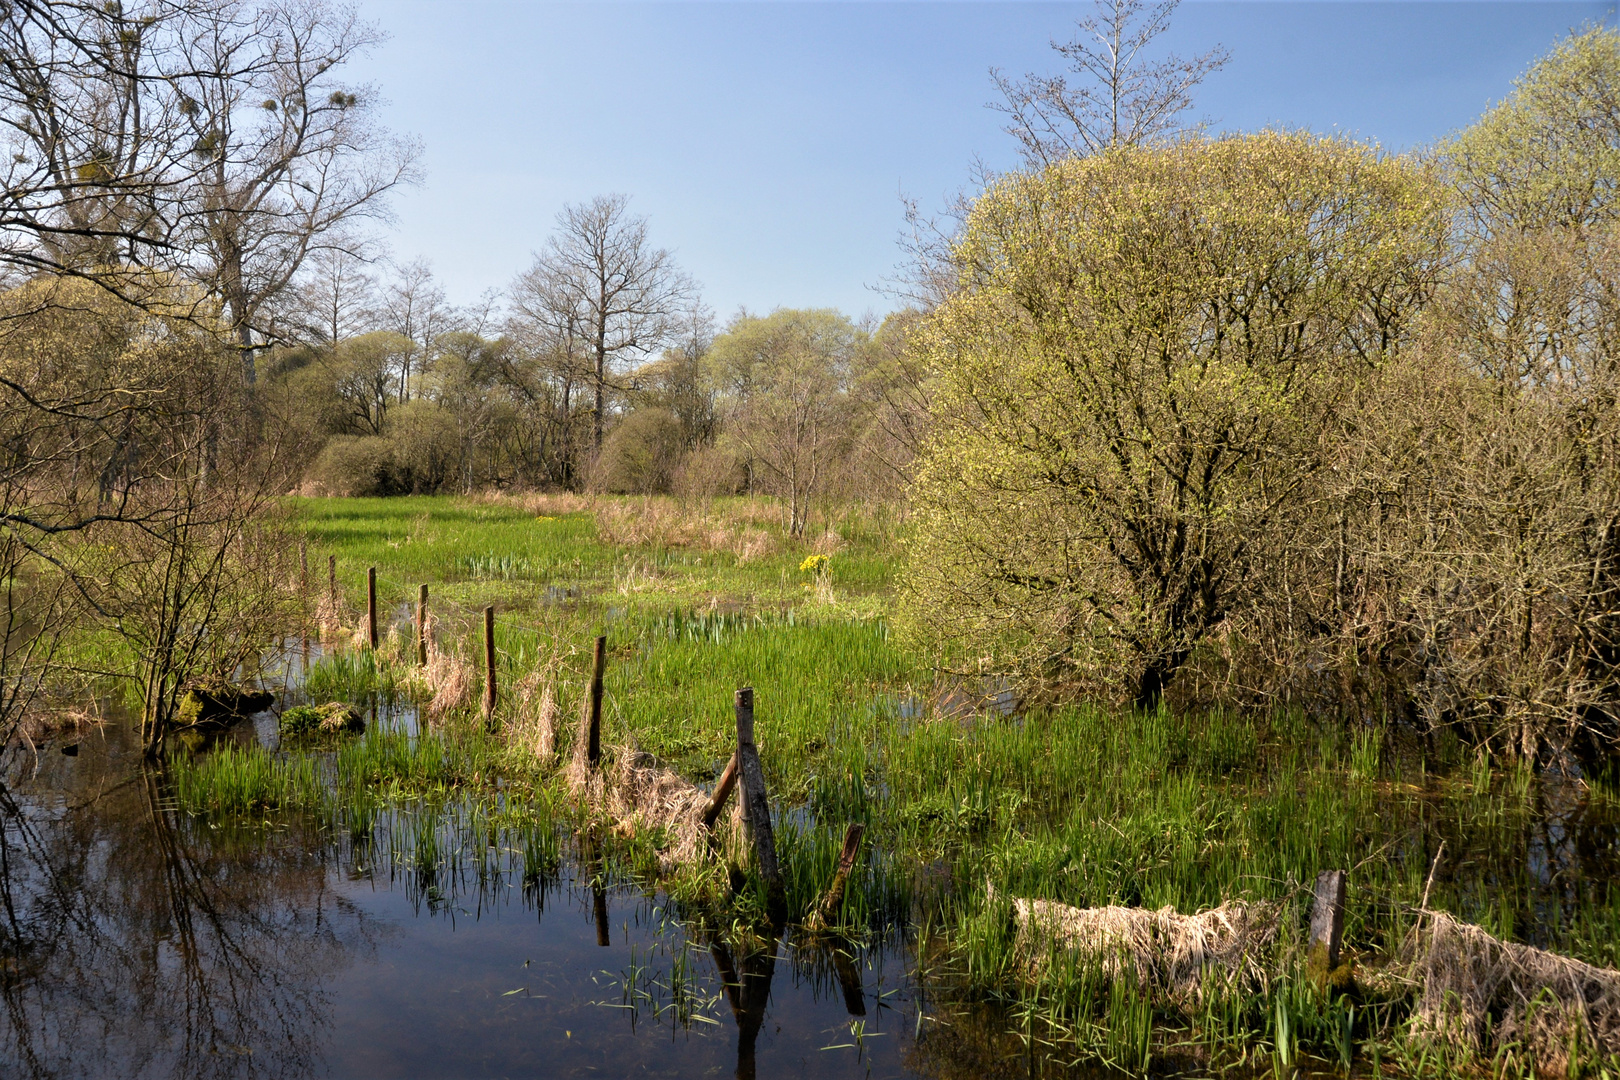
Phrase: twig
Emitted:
{"points": [[1424, 904]]}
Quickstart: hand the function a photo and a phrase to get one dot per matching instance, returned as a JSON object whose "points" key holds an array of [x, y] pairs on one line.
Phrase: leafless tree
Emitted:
{"points": [[1121, 98], [289, 152], [208, 142], [337, 297], [599, 283], [414, 306], [95, 167]]}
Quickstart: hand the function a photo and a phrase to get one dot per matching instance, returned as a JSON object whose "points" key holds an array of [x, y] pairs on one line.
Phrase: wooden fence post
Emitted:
{"points": [[421, 625], [1327, 926], [371, 606], [489, 665], [722, 792], [331, 584], [756, 804], [303, 589], [826, 912], [593, 735]]}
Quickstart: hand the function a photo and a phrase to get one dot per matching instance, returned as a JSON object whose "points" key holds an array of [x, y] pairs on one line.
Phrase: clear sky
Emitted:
{"points": [[770, 143]]}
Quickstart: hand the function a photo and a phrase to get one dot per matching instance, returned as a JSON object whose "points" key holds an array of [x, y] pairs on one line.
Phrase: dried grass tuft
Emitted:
{"points": [[535, 726], [1480, 994], [331, 617], [546, 504], [644, 795], [447, 677], [1166, 952]]}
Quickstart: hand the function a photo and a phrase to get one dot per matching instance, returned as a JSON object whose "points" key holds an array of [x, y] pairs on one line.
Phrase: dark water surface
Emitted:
{"points": [[151, 943]]}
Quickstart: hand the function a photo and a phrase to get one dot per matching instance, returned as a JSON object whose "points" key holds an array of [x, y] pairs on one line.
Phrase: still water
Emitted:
{"points": [[143, 942]]}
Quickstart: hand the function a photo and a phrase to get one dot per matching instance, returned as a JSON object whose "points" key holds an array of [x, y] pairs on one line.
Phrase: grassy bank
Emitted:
{"points": [[964, 808]]}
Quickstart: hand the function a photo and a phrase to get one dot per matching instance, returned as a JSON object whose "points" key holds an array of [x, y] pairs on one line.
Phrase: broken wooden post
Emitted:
{"points": [[331, 585], [756, 804], [371, 606], [593, 734], [722, 792], [303, 591], [1327, 928], [421, 625], [826, 911], [489, 664]]}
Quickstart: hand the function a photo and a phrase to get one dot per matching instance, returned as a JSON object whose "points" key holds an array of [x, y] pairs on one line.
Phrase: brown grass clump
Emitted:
{"points": [[447, 677], [736, 529], [535, 725], [547, 504], [751, 544], [331, 617], [1543, 1002], [645, 795], [1167, 952]]}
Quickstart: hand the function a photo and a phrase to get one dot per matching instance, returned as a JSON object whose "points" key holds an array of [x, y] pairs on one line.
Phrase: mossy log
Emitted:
{"points": [[218, 704]]}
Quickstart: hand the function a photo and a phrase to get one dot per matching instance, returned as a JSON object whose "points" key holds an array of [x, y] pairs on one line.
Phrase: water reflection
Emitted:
{"points": [[422, 940], [138, 942]]}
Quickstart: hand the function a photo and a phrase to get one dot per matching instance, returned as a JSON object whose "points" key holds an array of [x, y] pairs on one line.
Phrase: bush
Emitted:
{"points": [[1146, 353], [355, 465], [639, 457]]}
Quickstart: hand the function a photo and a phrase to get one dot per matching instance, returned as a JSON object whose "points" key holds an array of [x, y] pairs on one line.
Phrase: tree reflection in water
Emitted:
{"points": [[138, 941]]}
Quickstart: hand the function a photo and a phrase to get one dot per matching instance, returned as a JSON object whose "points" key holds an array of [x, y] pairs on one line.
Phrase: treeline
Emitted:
{"points": [[552, 386], [1278, 420]]}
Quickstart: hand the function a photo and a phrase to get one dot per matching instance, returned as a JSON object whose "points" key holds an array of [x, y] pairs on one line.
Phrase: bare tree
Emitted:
{"points": [[94, 169], [1123, 98], [601, 281], [289, 152], [208, 142], [337, 297], [414, 307]]}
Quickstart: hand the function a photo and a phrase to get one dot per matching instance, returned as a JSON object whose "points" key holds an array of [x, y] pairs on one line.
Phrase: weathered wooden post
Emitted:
{"points": [[331, 585], [722, 792], [303, 591], [489, 665], [421, 625], [1327, 927], [826, 912], [371, 606], [599, 903], [593, 734], [756, 805]]}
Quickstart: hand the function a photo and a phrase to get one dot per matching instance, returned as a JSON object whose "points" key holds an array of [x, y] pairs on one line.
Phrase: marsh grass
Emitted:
{"points": [[1083, 806], [234, 781], [355, 676]]}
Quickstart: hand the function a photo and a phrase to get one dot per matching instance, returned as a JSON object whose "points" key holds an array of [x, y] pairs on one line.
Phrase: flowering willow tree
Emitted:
{"points": [[1137, 370]]}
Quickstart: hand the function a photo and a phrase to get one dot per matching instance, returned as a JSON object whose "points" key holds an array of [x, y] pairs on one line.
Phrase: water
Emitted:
{"points": [[140, 941]]}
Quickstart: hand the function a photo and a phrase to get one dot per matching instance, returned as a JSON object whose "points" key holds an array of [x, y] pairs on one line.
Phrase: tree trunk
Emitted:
{"points": [[1150, 687], [601, 384]]}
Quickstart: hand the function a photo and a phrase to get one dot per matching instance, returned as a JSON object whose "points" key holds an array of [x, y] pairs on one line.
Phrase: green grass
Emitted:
{"points": [[1087, 806], [354, 676]]}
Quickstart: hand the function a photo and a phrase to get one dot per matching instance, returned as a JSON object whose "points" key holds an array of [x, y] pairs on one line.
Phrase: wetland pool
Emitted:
{"points": [[144, 942]]}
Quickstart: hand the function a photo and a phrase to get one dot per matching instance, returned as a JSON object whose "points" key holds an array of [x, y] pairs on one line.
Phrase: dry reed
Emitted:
{"points": [[1167, 953], [1480, 995], [535, 725], [446, 676]]}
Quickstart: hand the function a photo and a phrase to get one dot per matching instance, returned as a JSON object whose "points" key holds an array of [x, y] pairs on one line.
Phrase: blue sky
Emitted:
{"points": [[770, 143]]}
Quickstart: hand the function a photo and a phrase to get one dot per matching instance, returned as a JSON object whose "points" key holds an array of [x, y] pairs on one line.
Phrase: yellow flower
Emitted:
{"points": [[814, 563]]}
